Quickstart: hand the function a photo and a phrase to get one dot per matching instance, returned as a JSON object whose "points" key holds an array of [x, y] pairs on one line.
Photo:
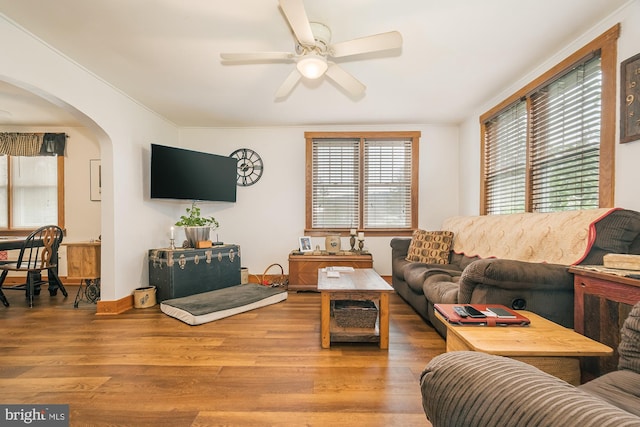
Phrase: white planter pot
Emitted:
{"points": [[197, 234]]}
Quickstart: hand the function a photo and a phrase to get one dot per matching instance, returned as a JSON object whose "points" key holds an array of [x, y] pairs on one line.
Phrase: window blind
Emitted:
{"points": [[565, 140], [505, 160], [387, 183], [335, 185], [558, 133]]}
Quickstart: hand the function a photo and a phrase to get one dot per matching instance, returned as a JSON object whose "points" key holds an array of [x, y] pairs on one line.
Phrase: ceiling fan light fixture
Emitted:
{"points": [[312, 66]]}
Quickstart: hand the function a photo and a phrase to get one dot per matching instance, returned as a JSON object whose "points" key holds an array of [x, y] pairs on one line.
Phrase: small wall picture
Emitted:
{"points": [[305, 244]]}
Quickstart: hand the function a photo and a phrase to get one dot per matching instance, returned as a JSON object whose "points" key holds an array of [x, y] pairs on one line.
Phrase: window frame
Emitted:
{"points": [[10, 231], [606, 44], [415, 142]]}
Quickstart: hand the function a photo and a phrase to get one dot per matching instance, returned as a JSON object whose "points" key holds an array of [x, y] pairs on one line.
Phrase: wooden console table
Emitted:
{"points": [[303, 269], [602, 302]]}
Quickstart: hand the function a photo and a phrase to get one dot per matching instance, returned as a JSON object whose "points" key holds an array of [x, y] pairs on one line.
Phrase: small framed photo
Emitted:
{"points": [[305, 244]]}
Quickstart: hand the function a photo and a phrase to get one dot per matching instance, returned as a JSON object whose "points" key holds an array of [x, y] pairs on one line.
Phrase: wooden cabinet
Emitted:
{"points": [[303, 269], [602, 303], [83, 260]]}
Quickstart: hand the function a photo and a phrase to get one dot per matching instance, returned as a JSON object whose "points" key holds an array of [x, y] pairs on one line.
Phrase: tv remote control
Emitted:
{"points": [[461, 311]]}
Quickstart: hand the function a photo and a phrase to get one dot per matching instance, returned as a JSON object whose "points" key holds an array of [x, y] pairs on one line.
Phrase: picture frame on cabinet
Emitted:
{"points": [[304, 244]]}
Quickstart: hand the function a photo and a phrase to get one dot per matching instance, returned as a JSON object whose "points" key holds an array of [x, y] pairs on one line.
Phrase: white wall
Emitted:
{"points": [[123, 128], [627, 155], [269, 216]]}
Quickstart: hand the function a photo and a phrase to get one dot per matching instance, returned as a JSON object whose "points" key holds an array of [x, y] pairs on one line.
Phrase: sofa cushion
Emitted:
{"points": [[417, 275], [620, 388], [414, 275], [461, 261], [397, 267], [430, 247], [441, 289]]}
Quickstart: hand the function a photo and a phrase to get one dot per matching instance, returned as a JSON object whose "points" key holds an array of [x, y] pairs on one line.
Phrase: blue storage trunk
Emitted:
{"points": [[182, 272]]}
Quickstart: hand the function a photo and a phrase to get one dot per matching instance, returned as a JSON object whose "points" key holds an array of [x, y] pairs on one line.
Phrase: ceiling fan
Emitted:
{"points": [[313, 51]]}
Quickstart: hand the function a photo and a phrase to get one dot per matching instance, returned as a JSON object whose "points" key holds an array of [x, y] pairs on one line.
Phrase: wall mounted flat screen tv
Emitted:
{"points": [[177, 173]]}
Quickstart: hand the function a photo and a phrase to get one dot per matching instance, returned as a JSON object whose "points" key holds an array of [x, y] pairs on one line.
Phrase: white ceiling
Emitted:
{"points": [[165, 53]]}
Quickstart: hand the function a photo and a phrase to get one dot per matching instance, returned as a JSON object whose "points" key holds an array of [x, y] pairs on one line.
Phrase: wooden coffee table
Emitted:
{"points": [[546, 345], [361, 284]]}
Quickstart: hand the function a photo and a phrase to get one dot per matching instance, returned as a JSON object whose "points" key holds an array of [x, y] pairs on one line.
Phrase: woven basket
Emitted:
{"points": [[274, 280], [355, 314]]}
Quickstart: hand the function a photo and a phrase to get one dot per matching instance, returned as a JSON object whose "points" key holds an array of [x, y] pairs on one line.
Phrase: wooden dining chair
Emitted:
{"points": [[38, 254]]}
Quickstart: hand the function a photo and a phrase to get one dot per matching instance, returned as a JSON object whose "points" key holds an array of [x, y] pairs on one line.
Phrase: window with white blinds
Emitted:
{"points": [[565, 140], [365, 181], [387, 184], [505, 160], [543, 151], [336, 183]]}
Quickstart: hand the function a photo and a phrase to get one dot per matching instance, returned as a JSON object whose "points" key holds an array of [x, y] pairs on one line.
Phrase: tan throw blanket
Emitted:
{"points": [[556, 238]]}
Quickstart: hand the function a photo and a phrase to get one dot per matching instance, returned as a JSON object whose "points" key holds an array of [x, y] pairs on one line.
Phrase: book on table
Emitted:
{"points": [[481, 315]]}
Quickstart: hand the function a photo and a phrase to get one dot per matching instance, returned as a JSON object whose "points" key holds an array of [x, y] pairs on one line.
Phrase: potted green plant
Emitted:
{"points": [[197, 228]]}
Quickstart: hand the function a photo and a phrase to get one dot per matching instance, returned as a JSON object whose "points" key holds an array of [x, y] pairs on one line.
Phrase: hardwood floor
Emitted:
{"points": [[260, 368]]}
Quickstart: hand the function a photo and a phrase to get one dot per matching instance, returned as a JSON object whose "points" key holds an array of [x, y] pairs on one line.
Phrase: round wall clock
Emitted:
{"points": [[250, 166]]}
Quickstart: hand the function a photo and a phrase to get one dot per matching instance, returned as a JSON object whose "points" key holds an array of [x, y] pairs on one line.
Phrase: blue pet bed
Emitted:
{"points": [[209, 306]]}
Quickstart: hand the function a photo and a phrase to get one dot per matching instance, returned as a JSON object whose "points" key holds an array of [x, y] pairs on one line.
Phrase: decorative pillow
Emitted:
{"points": [[430, 247]]}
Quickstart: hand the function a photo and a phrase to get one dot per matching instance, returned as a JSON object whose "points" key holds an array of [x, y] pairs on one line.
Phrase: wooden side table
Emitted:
{"points": [[83, 263], [550, 347], [303, 269], [602, 302]]}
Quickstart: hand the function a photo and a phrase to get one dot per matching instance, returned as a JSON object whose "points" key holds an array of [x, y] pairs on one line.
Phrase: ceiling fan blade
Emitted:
{"points": [[297, 17], [345, 80], [285, 89], [258, 56], [377, 42]]}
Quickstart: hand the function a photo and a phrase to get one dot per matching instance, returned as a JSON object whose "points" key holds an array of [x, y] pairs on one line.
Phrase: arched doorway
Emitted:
{"points": [[24, 111]]}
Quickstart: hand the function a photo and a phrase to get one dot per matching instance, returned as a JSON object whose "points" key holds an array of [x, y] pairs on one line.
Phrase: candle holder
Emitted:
{"points": [[172, 244], [360, 244], [352, 241]]}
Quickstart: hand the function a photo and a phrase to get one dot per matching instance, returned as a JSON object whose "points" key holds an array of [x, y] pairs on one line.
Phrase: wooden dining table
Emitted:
{"points": [[8, 243], [11, 242]]}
